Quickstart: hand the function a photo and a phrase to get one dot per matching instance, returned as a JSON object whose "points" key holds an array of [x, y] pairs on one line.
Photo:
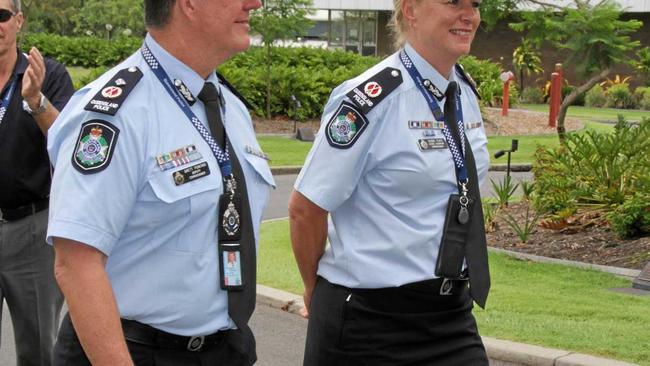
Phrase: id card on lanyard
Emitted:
{"points": [[451, 254], [228, 220]]}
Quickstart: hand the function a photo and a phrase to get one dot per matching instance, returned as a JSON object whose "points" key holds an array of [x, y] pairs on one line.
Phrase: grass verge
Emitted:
{"points": [[284, 150], [544, 304], [591, 114]]}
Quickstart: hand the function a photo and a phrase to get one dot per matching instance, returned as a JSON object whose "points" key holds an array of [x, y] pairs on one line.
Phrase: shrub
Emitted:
{"points": [[91, 76], [82, 51], [532, 95], [486, 74], [596, 97], [642, 96], [308, 73], [632, 218], [595, 170], [619, 96]]}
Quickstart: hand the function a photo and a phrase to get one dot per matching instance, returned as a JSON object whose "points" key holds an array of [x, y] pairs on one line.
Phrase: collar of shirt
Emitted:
{"points": [[176, 69], [427, 71]]}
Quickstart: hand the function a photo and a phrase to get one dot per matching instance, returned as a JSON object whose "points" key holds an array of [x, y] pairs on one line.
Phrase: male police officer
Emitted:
{"points": [[157, 179], [32, 91]]}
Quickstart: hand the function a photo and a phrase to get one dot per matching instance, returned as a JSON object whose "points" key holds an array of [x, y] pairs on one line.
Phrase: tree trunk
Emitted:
{"points": [[564, 107], [269, 55]]}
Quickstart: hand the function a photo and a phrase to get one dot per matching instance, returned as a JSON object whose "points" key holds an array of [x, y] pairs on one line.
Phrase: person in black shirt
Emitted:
{"points": [[33, 91]]}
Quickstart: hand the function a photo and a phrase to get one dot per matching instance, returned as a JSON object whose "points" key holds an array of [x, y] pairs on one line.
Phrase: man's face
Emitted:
{"points": [[224, 23], [9, 29]]}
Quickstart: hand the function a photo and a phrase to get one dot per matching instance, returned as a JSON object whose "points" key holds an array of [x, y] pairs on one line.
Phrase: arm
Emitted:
{"points": [[79, 271], [308, 226], [31, 92]]}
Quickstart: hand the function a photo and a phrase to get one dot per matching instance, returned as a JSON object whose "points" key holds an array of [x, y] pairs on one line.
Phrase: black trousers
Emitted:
{"points": [[68, 352], [408, 325]]}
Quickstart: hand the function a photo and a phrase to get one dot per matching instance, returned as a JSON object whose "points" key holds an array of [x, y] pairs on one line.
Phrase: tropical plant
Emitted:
{"points": [[618, 80], [594, 170], [593, 34], [619, 96], [504, 190], [527, 189], [526, 60], [524, 230]]}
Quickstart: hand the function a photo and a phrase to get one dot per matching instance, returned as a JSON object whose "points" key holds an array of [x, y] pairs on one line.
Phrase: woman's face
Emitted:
{"points": [[447, 27]]}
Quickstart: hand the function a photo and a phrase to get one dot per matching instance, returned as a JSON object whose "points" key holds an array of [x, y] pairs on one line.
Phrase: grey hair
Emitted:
{"points": [[17, 6], [157, 13]]}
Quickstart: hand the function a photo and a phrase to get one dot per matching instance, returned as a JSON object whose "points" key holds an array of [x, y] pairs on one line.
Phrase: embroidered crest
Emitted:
{"points": [[95, 146], [346, 126]]}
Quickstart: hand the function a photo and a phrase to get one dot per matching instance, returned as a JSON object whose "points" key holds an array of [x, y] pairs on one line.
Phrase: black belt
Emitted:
{"points": [[13, 214], [144, 334]]}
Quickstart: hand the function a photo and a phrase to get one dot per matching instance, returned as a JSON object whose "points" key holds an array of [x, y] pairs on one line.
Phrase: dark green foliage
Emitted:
{"points": [[308, 73], [486, 74], [595, 169], [596, 97], [632, 218], [532, 95], [568, 89], [642, 64], [82, 51], [642, 95], [620, 96], [527, 188]]}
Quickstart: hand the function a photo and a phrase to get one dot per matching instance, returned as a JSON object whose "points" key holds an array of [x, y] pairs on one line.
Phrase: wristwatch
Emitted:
{"points": [[42, 105]]}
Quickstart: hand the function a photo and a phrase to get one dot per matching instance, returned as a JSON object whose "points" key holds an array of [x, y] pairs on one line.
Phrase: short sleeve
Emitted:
{"points": [[339, 155], [93, 206]]}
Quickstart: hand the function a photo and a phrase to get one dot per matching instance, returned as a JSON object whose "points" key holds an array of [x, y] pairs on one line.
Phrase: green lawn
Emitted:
{"points": [[592, 114], [285, 151], [77, 73], [548, 305]]}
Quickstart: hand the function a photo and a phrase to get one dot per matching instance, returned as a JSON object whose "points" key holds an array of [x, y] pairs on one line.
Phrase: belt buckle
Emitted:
{"points": [[195, 343], [446, 287]]}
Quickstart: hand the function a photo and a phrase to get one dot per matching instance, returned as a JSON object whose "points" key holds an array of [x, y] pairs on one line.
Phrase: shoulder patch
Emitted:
{"points": [[468, 79], [95, 145], [110, 98], [372, 91], [345, 127], [234, 91]]}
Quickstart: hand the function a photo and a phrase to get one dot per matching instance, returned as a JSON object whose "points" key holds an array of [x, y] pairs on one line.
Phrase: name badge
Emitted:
{"points": [[192, 173], [432, 144]]}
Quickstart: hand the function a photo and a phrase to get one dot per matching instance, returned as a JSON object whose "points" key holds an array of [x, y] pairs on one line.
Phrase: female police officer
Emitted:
{"points": [[398, 176]]}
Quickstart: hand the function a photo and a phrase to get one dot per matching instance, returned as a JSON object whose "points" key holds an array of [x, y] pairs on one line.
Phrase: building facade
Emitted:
{"points": [[362, 26]]}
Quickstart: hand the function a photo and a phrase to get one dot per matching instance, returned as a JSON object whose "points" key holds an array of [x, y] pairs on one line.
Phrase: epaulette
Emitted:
{"points": [[232, 89], [110, 98], [372, 91], [468, 79]]}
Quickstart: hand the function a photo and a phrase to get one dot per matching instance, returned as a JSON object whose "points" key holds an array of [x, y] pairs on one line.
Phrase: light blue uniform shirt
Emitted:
{"points": [[161, 238], [386, 197]]}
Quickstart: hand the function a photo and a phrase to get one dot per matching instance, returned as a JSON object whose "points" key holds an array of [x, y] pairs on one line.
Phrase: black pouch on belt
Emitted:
{"points": [[454, 237]]}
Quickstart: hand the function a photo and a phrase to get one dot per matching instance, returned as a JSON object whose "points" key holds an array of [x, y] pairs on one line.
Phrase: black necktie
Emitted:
{"points": [[476, 249], [240, 303]]}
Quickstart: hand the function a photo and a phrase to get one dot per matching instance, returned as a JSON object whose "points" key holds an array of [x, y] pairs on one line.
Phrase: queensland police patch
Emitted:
{"points": [[346, 126], [95, 146]]}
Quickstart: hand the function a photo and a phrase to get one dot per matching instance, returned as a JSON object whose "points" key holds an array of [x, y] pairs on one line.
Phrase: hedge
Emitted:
{"points": [[310, 74]]}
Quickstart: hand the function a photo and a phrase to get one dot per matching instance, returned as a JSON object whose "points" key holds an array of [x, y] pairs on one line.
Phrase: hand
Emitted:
{"points": [[304, 312], [33, 78]]}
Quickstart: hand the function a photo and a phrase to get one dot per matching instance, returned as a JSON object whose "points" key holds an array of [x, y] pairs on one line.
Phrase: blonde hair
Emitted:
{"points": [[397, 24]]}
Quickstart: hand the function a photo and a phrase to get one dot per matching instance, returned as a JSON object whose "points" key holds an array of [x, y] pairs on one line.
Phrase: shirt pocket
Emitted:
{"points": [[185, 215]]}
